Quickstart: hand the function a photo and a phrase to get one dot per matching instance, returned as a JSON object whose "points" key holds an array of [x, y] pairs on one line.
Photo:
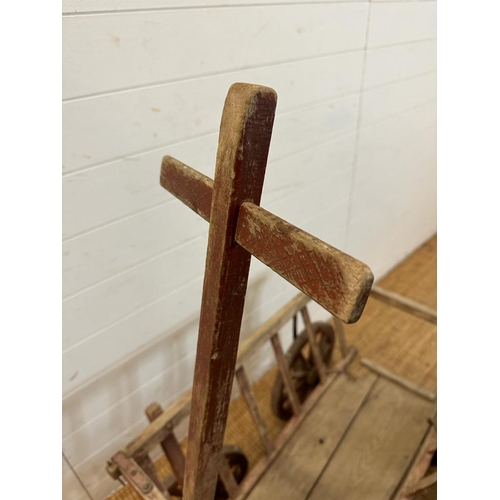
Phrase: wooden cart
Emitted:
{"points": [[349, 438]]}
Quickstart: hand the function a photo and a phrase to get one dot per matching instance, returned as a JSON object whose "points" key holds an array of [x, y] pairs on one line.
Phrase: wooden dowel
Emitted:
{"points": [[227, 477], [338, 328], [161, 427], [434, 422], [408, 384], [265, 331], [285, 373], [405, 304], [343, 364], [246, 391], [425, 482], [318, 362], [170, 445]]}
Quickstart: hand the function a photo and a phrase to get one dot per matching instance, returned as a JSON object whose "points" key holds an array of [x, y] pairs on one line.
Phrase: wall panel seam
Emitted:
{"points": [[133, 266], [77, 477], [150, 381], [212, 132], [163, 204], [209, 7], [200, 76], [399, 80], [129, 315], [358, 131]]}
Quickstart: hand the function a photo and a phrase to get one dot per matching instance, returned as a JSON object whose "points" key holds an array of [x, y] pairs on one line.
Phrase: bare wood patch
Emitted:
{"points": [[338, 282], [191, 187]]}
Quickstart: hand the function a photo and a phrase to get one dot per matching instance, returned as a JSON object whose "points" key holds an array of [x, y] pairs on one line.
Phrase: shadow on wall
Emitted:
{"points": [[111, 407], [159, 371]]}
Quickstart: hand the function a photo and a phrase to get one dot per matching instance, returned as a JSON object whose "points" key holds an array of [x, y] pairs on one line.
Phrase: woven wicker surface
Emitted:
{"points": [[399, 341]]}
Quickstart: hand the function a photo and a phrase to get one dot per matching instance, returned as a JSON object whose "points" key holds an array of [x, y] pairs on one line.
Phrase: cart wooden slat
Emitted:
{"points": [[359, 443]]}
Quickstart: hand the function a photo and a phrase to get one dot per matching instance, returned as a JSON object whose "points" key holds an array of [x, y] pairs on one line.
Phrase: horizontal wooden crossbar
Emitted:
{"points": [[405, 304], [161, 427], [336, 281]]}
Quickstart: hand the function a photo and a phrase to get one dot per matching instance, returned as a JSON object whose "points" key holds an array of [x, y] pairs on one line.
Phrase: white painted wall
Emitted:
{"points": [[352, 160]]}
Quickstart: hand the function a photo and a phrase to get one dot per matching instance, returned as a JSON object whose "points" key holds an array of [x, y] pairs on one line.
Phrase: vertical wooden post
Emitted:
{"points": [[246, 391], [148, 466], [313, 346], [244, 139], [285, 373], [338, 328]]}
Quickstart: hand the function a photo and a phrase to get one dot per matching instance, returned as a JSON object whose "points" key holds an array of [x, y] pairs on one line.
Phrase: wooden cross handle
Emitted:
{"points": [[338, 282], [239, 228], [245, 135]]}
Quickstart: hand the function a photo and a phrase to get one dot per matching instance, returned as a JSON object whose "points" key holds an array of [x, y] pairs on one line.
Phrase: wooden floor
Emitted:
{"points": [[400, 342], [357, 444]]}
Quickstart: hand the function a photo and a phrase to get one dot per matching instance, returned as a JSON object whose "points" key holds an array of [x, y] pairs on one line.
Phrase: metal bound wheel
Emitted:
{"points": [[302, 368]]}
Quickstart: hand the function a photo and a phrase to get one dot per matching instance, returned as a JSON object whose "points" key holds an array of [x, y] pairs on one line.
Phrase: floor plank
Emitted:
{"points": [[295, 471], [378, 448]]}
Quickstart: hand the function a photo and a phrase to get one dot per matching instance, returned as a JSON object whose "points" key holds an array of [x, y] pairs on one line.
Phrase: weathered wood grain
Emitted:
{"points": [[191, 187], [398, 379], [244, 139], [338, 282], [419, 465], [238, 229], [338, 328], [378, 449], [254, 475], [304, 456]]}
